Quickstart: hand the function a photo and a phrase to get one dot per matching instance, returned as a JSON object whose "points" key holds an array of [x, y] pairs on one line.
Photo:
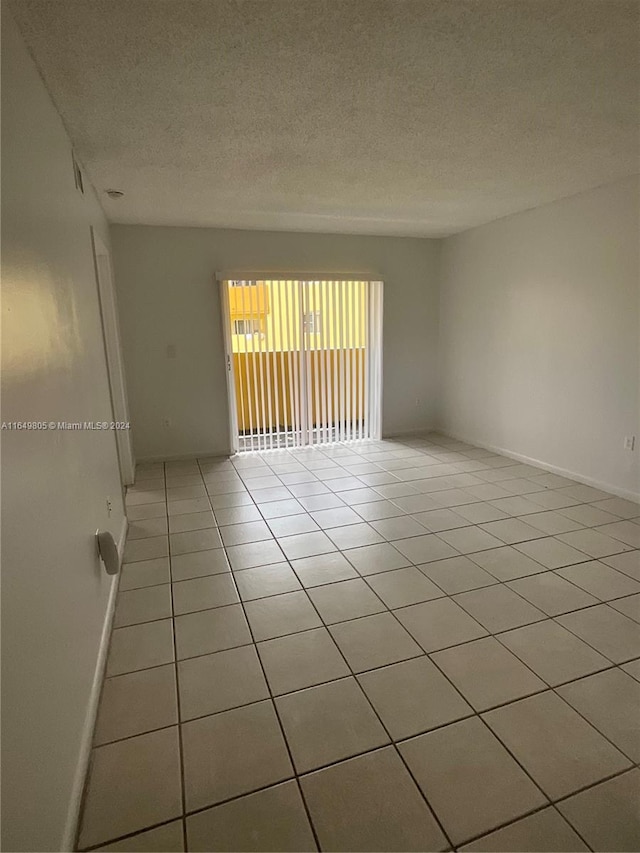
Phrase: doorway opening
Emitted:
{"points": [[113, 356], [304, 360]]}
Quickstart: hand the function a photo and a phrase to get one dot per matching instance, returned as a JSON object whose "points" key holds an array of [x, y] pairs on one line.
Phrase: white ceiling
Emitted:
{"points": [[413, 117]]}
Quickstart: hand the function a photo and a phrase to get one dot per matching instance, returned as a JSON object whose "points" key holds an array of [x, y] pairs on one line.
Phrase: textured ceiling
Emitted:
{"points": [[415, 117]]}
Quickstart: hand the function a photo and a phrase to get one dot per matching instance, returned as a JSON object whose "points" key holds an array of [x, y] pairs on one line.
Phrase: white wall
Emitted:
{"points": [[167, 296], [54, 484], [539, 335]]}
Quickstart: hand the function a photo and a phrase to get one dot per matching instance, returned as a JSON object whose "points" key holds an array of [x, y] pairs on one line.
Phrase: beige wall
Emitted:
{"points": [[167, 297], [54, 484], [539, 335]]}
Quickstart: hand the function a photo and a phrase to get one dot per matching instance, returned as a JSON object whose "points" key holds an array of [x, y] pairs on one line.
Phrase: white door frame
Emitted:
{"points": [[113, 353], [376, 316], [234, 437]]}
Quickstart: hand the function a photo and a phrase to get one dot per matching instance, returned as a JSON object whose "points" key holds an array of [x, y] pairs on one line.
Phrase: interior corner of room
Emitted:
{"points": [[516, 330]]}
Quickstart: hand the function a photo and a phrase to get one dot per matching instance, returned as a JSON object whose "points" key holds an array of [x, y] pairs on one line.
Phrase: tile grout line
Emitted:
{"points": [[391, 742], [469, 555], [201, 809], [254, 646], [176, 682], [448, 595], [547, 688], [388, 609], [283, 732], [476, 713]]}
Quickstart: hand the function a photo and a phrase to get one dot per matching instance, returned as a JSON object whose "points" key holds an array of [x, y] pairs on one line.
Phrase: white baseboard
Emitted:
{"points": [[184, 457], [73, 814], [124, 529], [546, 466], [408, 432]]}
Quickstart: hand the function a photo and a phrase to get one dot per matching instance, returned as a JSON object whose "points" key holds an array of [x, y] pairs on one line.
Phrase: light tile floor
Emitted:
{"points": [[399, 645]]}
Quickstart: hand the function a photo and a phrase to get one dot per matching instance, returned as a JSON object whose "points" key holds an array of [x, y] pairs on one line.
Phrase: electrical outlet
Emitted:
{"points": [[629, 442], [166, 422], [109, 507]]}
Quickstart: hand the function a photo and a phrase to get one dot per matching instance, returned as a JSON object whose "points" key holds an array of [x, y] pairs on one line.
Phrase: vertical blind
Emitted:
{"points": [[304, 360]]}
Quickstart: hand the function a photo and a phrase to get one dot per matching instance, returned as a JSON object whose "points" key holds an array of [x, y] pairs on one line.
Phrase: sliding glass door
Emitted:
{"points": [[304, 360]]}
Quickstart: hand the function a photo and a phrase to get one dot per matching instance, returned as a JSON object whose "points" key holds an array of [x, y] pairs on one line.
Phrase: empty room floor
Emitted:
{"points": [[400, 645]]}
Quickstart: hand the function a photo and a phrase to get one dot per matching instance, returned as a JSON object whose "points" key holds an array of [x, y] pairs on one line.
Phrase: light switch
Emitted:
{"points": [[171, 350]]}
